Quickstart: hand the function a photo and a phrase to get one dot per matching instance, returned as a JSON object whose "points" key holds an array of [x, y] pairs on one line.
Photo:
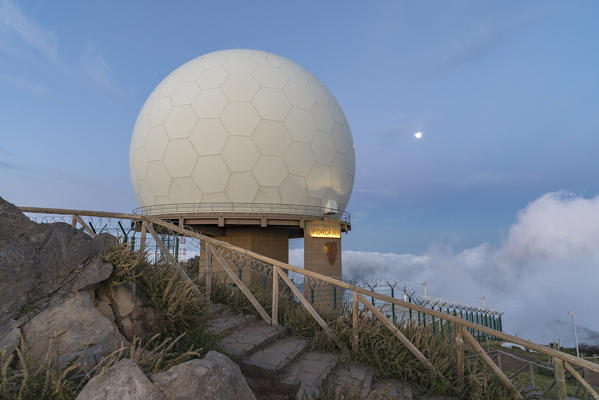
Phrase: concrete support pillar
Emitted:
{"points": [[322, 254]]}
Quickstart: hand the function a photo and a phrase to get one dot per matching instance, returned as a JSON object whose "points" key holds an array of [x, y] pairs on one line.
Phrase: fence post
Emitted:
{"points": [[393, 304], [531, 373], [209, 275], [334, 297], [142, 240], [355, 311], [275, 295], [560, 379], [459, 341]]}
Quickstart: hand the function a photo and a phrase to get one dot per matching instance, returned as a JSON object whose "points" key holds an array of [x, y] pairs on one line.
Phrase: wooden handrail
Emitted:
{"points": [[267, 260]]}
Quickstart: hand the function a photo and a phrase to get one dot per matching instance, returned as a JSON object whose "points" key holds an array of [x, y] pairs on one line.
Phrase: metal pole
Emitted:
{"points": [[575, 336]]}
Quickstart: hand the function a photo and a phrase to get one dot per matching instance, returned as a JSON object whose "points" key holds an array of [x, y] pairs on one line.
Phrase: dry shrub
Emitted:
{"points": [[181, 311], [23, 378]]}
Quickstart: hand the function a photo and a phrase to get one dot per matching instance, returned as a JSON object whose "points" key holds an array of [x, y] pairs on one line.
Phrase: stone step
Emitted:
{"points": [[350, 374], [308, 373], [225, 321], [270, 361], [393, 388], [251, 338]]}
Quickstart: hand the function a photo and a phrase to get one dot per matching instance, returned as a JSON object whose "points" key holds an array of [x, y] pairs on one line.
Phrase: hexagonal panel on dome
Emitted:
{"points": [[242, 187], [270, 77], [160, 110], [211, 174], [271, 137], [299, 158], [212, 60], [293, 190], [191, 71], [271, 104], [323, 148], [295, 73], [240, 153], [209, 103], [339, 170], [185, 93], [219, 197], [143, 192], [322, 117], [270, 171], [240, 118], [180, 121], [208, 136], [342, 139], [156, 143], [140, 132], [184, 190], [169, 84], [318, 180], [300, 124], [212, 78], [241, 65], [140, 164], [180, 157], [240, 87], [267, 195], [158, 178], [299, 95]]}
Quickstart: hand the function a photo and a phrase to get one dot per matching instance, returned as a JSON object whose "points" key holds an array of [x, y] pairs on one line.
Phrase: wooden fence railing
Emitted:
{"points": [[218, 250]]}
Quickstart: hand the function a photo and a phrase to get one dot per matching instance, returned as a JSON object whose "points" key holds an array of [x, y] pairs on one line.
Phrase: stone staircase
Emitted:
{"points": [[275, 361]]}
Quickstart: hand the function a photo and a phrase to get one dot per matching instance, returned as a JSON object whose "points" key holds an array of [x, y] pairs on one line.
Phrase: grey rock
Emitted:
{"points": [[10, 341], [38, 261], [271, 360], [213, 377], [92, 273], [309, 373], [393, 388], [77, 327], [123, 299], [251, 338], [123, 381]]}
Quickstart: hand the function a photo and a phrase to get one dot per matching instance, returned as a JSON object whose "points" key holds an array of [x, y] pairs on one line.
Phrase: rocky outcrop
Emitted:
{"points": [[213, 377], [122, 381], [40, 261], [76, 327]]}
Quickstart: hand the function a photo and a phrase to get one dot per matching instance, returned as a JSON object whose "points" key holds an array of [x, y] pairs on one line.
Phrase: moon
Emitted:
{"points": [[418, 135]]}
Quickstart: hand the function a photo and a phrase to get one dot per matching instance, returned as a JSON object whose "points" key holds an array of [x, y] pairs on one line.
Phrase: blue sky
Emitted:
{"points": [[506, 94]]}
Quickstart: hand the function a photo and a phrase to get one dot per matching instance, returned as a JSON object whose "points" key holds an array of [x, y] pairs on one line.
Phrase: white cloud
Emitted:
{"points": [[30, 31], [96, 69], [547, 265]]}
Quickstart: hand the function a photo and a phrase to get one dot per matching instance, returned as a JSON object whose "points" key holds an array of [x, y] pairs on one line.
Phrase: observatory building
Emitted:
{"points": [[250, 148]]}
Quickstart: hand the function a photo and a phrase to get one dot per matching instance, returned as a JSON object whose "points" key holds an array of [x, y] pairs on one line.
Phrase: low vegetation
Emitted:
{"points": [[378, 348]]}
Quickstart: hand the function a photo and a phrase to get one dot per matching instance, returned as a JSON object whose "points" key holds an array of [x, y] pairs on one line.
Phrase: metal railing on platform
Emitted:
{"points": [[250, 208]]}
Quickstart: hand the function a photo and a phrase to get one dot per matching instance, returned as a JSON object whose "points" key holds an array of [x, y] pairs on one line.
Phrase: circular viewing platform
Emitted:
{"points": [[214, 216]]}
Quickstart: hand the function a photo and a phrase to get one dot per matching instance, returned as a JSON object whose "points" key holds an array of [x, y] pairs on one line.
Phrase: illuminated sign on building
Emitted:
{"points": [[325, 230]]}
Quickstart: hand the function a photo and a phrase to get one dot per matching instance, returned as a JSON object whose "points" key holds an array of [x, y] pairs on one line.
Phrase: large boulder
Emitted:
{"points": [[123, 381], [38, 260], [76, 327], [213, 377]]}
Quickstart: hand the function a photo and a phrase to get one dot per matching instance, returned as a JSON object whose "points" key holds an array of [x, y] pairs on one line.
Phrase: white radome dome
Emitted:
{"points": [[242, 126]]}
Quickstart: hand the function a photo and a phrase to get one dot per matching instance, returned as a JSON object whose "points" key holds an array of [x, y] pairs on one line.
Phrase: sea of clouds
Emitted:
{"points": [[546, 266]]}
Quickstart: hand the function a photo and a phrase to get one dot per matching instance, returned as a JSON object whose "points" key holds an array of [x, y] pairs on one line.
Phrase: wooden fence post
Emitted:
{"points": [[560, 379], [459, 341], [582, 382], [487, 360], [74, 221], [142, 239], [355, 315], [531, 373], [208, 273], [275, 295]]}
